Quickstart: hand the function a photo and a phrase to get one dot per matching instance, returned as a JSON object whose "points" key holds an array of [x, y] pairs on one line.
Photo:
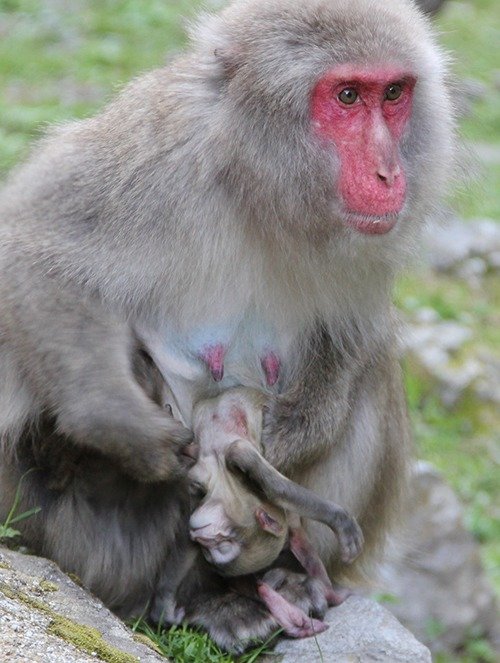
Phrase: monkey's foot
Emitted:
{"points": [[293, 620], [238, 618], [306, 593], [349, 535], [233, 621], [166, 611]]}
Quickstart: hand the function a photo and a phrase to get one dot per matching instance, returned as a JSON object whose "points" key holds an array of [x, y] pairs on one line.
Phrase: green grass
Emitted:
{"points": [[58, 63], [188, 645], [471, 31], [60, 60]]}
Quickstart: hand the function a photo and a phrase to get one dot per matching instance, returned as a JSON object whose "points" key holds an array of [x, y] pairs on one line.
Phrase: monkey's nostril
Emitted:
{"points": [[388, 178], [388, 175]]}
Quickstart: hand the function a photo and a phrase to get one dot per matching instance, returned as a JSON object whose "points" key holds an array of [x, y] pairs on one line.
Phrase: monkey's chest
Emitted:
{"points": [[210, 358]]}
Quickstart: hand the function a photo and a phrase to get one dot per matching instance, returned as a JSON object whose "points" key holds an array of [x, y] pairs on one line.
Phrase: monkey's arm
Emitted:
{"points": [[75, 358], [301, 424], [295, 498]]}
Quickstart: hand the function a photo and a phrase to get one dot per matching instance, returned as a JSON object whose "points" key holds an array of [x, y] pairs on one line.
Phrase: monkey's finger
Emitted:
{"points": [[178, 434], [191, 450], [188, 455]]}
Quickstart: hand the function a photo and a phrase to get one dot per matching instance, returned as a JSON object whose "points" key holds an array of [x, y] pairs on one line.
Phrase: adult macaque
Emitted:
{"points": [[254, 199]]}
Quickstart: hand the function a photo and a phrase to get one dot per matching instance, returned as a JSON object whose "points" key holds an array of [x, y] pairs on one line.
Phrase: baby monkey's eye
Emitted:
{"points": [[393, 91], [347, 96], [197, 490]]}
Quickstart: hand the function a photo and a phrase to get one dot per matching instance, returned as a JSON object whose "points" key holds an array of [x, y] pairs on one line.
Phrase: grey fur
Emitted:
{"points": [[199, 194]]}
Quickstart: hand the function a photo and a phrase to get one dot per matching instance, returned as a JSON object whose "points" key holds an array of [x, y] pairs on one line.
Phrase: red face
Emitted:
{"points": [[364, 112]]}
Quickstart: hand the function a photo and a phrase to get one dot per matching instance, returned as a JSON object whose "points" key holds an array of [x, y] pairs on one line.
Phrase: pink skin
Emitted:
{"points": [[271, 366], [310, 560], [236, 422], [366, 135], [213, 356], [267, 523], [292, 619]]}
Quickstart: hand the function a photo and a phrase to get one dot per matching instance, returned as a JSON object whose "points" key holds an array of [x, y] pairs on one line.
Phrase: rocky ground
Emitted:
{"points": [[467, 251], [46, 618]]}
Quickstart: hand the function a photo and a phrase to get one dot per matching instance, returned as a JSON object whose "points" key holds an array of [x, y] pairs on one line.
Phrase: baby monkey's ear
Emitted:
{"points": [[267, 522]]}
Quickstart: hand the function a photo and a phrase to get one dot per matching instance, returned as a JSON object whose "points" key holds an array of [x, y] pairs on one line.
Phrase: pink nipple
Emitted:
{"points": [[271, 366], [213, 356]]}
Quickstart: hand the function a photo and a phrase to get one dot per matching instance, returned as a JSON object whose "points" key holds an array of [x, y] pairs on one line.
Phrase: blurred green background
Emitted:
{"points": [[63, 59]]}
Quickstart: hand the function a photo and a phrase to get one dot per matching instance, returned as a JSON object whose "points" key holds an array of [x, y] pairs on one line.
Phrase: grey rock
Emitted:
{"points": [[360, 631], [446, 335], [442, 253], [434, 345], [437, 578], [38, 603], [487, 387], [472, 270], [494, 260], [469, 248]]}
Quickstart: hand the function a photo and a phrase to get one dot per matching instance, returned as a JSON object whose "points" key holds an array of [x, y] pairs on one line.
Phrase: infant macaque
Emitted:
{"points": [[249, 512]]}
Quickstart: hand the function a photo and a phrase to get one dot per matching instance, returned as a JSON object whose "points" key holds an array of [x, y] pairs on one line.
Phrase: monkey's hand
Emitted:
{"points": [[294, 621], [164, 459]]}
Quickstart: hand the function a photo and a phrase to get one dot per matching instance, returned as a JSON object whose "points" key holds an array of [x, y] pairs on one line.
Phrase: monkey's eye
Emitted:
{"points": [[197, 491], [393, 92], [347, 96]]}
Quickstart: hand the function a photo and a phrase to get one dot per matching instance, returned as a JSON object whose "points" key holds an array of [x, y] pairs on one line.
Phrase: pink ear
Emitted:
{"points": [[267, 522]]}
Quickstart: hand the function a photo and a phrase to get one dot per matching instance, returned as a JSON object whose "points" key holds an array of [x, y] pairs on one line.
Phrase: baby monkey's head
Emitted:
{"points": [[240, 531]]}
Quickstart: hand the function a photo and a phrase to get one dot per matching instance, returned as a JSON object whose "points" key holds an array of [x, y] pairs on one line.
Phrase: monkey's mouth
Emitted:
{"points": [[368, 224], [219, 552], [216, 548]]}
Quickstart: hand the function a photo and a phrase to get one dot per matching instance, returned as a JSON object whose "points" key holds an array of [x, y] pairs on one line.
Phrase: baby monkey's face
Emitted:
{"points": [[239, 533]]}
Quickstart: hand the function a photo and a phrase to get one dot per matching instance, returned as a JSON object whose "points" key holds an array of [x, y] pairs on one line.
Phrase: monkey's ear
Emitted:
{"points": [[229, 61], [267, 522]]}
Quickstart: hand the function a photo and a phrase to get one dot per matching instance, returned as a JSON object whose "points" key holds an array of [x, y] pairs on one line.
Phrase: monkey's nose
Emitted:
{"points": [[388, 175]]}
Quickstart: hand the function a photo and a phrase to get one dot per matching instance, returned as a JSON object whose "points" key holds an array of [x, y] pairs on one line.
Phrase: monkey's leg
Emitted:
{"points": [[235, 616], [303, 550], [166, 607], [302, 424], [75, 357], [114, 533], [295, 498]]}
